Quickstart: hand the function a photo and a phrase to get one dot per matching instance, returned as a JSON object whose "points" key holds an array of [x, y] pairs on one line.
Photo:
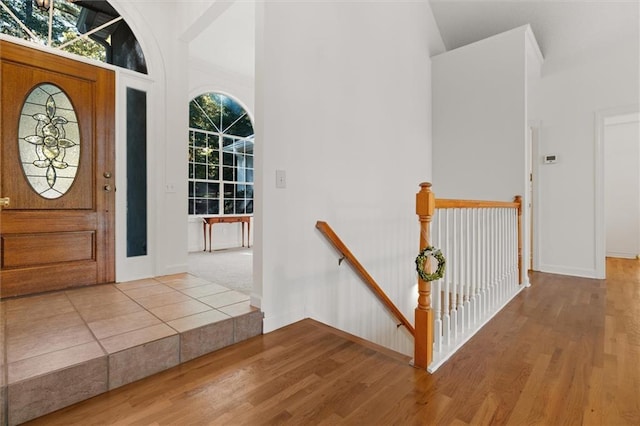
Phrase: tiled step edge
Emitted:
{"points": [[44, 394]]}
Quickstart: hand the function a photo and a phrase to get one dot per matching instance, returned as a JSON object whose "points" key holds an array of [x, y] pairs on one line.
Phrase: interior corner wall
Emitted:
{"points": [[479, 119], [569, 94], [345, 113]]}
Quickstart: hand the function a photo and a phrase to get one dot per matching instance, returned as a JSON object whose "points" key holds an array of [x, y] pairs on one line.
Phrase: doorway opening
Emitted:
{"points": [[220, 195], [622, 185], [617, 226]]}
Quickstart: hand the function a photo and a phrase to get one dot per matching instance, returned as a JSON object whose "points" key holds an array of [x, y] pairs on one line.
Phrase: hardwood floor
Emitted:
{"points": [[565, 351]]}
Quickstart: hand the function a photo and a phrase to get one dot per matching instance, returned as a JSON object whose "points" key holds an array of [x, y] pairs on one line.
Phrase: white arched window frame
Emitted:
{"points": [[221, 157]]}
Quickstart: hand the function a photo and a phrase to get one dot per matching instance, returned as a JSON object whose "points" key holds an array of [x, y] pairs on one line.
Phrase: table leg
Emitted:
{"points": [[242, 225], [204, 234], [210, 239], [249, 233]]}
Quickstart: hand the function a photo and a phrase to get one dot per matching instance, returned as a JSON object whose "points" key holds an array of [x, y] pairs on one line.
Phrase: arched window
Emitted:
{"points": [[220, 157], [89, 28]]}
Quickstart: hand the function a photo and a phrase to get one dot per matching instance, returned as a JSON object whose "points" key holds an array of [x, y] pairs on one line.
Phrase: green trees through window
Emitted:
{"points": [[220, 157], [64, 26], [89, 28]]}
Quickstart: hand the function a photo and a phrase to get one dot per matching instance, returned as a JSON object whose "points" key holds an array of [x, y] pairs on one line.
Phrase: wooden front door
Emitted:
{"points": [[58, 228]]}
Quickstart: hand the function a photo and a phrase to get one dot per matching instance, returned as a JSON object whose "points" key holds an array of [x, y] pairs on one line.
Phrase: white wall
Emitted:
{"points": [[345, 110], [570, 93], [622, 186], [224, 35], [479, 119]]}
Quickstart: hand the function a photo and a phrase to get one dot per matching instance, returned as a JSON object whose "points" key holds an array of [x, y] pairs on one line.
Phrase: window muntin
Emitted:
{"points": [[88, 28], [220, 157]]}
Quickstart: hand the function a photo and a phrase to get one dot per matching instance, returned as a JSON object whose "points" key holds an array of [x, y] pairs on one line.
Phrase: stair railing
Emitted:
{"points": [[482, 242], [366, 277]]}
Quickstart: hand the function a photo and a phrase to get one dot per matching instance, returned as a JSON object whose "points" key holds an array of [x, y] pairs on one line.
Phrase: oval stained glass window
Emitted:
{"points": [[49, 141]]}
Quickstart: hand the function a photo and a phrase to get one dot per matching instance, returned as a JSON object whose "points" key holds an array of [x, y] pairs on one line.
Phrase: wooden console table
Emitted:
{"points": [[210, 221]]}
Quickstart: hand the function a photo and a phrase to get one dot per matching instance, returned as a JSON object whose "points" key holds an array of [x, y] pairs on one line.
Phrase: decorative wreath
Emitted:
{"points": [[422, 257]]}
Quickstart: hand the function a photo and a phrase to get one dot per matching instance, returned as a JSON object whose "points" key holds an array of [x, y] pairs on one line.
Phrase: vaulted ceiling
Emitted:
{"points": [[228, 43], [561, 27]]}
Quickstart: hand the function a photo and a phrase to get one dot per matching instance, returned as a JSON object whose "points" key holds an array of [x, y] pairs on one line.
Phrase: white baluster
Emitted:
{"points": [[460, 268], [499, 256], [483, 263], [446, 323], [476, 268], [460, 281], [467, 265], [498, 278], [513, 252], [515, 245], [489, 260], [436, 289], [514, 242], [505, 254], [454, 276], [494, 259]]}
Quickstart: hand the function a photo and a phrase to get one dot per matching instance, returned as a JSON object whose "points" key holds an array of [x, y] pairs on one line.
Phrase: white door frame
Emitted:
{"points": [[534, 163], [599, 225], [133, 268]]}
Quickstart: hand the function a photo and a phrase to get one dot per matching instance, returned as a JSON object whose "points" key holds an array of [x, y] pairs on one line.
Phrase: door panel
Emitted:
{"points": [[68, 241], [19, 248], [81, 194]]}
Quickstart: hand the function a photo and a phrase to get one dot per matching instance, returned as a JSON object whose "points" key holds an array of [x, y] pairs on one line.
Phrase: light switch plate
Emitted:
{"points": [[281, 179]]}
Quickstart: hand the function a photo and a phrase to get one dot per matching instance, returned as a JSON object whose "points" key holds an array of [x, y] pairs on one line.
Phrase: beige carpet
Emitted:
{"points": [[232, 268]]}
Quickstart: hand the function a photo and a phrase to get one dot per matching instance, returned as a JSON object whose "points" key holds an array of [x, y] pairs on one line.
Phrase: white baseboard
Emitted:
{"points": [[178, 268], [255, 300], [563, 270], [274, 322], [622, 255]]}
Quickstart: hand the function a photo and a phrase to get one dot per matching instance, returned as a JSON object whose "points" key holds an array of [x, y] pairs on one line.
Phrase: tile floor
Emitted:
{"points": [[114, 334]]}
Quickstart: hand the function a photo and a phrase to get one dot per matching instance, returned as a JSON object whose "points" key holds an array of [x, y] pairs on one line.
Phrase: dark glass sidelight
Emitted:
{"points": [[136, 173]]}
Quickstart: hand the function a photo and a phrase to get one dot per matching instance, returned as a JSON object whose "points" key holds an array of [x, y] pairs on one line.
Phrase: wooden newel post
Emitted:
{"points": [[518, 199], [423, 348]]}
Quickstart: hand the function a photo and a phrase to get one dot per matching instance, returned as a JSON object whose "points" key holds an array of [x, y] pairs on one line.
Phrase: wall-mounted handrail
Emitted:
{"points": [[368, 279]]}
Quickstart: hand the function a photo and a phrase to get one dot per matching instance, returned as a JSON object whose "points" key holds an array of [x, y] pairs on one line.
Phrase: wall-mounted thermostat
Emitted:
{"points": [[550, 159]]}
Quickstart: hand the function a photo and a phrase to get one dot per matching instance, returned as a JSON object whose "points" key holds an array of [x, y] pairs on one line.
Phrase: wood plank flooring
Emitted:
{"points": [[565, 351]]}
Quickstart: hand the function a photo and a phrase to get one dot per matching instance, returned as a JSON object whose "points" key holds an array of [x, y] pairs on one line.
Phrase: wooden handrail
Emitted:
{"points": [[368, 279], [444, 203]]}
